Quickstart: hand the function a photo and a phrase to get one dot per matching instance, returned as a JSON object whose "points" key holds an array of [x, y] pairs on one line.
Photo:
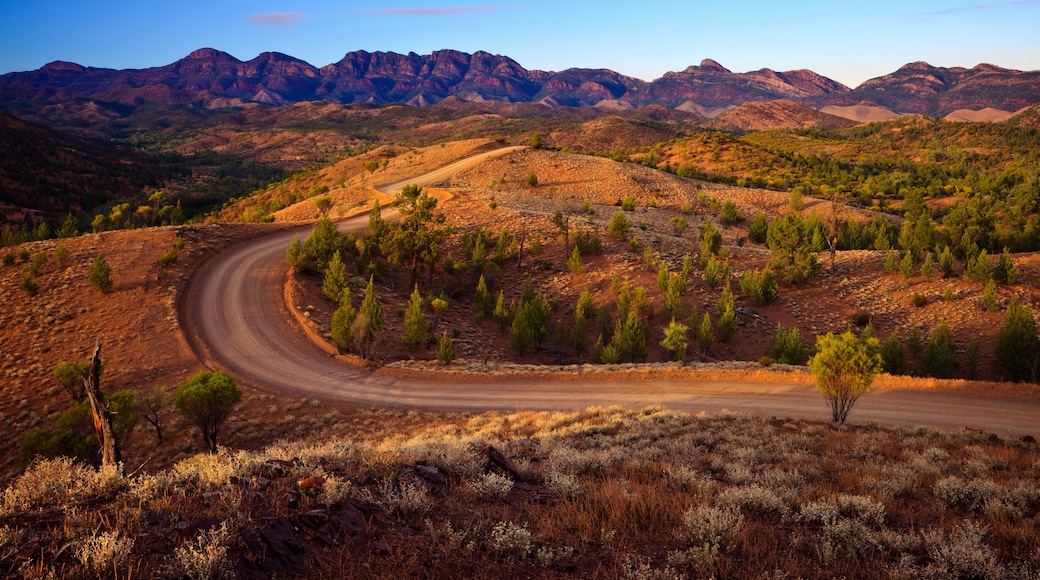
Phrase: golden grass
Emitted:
{"points": [[610, 492]]}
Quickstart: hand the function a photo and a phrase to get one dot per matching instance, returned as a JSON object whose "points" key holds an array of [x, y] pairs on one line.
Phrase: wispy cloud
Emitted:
{"points": [[444, 11], [987, 6], [277, 18]]}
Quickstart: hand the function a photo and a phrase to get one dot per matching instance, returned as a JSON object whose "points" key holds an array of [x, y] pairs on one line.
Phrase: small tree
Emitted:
{"points": [[787, 346], [532, 179], [939, 353], [207, 400], [757, 229], [619, 225], [725, 310], [893, 355], [485, 304], [335, 282], [676, 340], [979, 268], [844, 367], [153, 406], [1005, 272], [988, 301], [1017, 351], [294, 254], [368, 323], [342, 327], [416, 331], [324, 204], [706, 333], [574, 263], [100, 274], [446, 349]]}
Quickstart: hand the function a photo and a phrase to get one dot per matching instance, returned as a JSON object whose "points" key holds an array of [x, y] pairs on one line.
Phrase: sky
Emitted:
{"points": [[847, 41]]}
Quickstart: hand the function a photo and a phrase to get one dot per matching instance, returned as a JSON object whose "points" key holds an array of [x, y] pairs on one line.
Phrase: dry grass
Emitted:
{"points": [[602, 492]]}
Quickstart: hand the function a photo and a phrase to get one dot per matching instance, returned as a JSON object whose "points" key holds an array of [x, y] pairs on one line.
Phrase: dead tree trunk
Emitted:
{"points": [[102, 416]]}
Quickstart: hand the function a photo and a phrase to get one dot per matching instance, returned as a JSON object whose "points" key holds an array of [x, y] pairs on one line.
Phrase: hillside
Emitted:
{"points": [[923, 89], [46, 174], [774, 115], [601, 492]]}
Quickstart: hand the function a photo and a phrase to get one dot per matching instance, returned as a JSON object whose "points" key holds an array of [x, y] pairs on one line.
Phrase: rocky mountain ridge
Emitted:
{"points": [[214, 79]]}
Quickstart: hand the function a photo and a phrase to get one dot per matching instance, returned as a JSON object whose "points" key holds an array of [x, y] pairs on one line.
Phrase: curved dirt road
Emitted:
{"points": [[234, 316]]}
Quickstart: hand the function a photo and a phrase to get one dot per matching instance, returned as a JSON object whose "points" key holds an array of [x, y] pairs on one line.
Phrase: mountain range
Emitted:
{"points": [[209, 78]]}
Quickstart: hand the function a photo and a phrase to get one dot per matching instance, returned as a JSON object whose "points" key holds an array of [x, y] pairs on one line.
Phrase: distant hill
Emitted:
{"points": [[780, 114], [923, 89], [861, 113], [45, 174]]}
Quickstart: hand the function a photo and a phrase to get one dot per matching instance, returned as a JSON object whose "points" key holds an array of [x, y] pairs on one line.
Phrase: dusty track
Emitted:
{"points": [[235, 318]]}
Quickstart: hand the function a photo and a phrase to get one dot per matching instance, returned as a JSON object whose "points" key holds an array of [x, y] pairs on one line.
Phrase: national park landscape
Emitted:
{"points": [[444, 316]]}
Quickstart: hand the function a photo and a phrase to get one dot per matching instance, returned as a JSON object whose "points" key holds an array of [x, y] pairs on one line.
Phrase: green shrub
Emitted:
{"points": [[919, 300], [787, 346], [619, 225], [939, 353], [760, 286], [628, 203], [100, 275], [446, 349]]}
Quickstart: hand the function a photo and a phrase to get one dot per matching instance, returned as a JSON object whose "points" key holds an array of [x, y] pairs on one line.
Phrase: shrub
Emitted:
{"points": [[676, 340], [760, 286], [754, 500], [729, 214], [492, 486], [919, 300], [206, 557], [343, 322], [757, 229], [446, 349], [574, 263], [928, 269], [989, 301], [715, 272], [105, 551], [510, 540], [795, 201], [979, 268], [860, 318], [532, 179], [28, 285], [207, 400], [628, 203], [712, 526], [100, 275], [1005, 272], [168, 259], [619, 225], [844, 367], [787, 346]]}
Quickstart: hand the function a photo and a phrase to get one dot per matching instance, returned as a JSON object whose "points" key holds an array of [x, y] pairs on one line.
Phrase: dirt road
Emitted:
{"points": [[235, 318]]}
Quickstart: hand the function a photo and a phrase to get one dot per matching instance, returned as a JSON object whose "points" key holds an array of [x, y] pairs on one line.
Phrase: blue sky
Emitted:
{"points": [[849, 42]]}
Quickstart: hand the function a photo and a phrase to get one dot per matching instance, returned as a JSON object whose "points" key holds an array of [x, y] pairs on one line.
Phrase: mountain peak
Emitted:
{"points": [[209, 54], [713, 65]]}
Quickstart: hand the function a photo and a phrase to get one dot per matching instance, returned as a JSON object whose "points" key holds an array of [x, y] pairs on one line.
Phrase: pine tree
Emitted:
{"points": [[979, 268], [485, 304], [503, 314], [369, 322], [574, 263], [335, 278], [416, 331], [893, 356], [1006, 272], [939, 353], [725, 310], [446, 349], [343, 322], [706, 333], [676, 340], [1017, 350]]}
